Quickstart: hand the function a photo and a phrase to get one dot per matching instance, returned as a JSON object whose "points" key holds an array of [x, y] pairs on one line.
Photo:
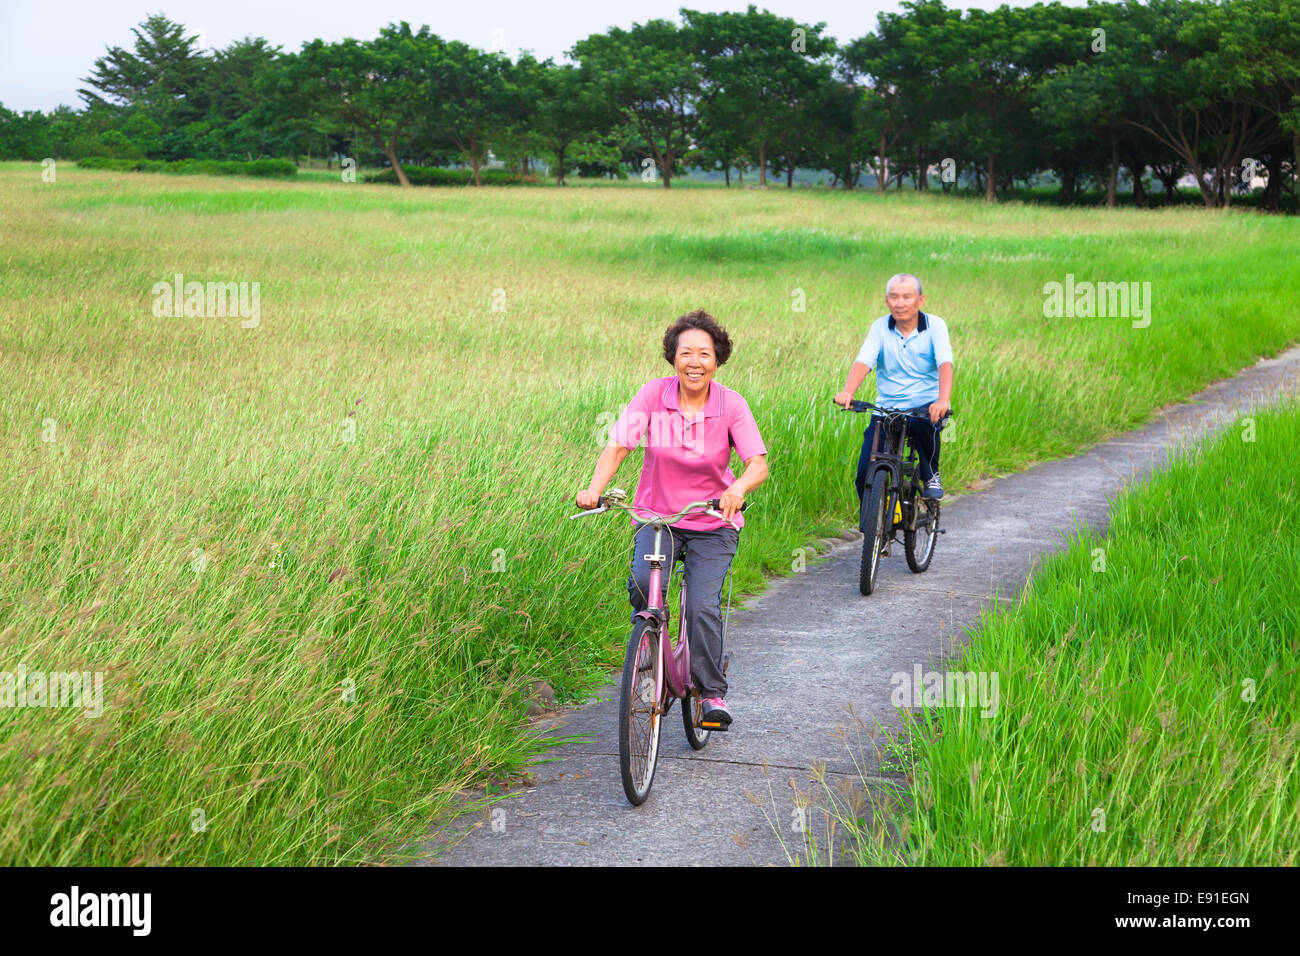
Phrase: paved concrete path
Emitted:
{"points": [[810, 653]]}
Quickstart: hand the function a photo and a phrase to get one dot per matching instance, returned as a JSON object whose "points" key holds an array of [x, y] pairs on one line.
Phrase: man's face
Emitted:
{"points": [[903, 301]]}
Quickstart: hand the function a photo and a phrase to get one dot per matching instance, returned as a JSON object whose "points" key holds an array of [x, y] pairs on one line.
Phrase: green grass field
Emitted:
{"points": [[1149, 690], [318, 561]]}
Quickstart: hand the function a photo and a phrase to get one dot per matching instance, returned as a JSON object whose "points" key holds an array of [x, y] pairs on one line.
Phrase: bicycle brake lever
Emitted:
{"points": [[718, 514], [593, 511]]}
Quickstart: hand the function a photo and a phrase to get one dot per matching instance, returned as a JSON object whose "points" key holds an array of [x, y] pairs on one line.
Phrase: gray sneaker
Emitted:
{"points": [[933, 489]]}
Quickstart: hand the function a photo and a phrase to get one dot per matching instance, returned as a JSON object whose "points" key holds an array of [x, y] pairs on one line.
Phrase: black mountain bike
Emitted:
{"points": [[893, 499]]}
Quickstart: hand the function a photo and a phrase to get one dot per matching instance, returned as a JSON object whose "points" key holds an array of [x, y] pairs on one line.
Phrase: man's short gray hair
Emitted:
{"points": [[903, 275]]}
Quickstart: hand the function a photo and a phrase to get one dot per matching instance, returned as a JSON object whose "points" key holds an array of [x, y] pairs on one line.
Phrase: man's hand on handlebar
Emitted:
{"points": [[842, 399], [938, 410]]}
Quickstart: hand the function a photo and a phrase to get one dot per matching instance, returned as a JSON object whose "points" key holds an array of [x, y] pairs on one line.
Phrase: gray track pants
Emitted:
{"points": [[707, 556]]}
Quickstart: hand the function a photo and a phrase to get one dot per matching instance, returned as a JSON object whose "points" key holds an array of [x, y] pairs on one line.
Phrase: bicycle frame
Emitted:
{"points": [[893, 423], [676, 668]]}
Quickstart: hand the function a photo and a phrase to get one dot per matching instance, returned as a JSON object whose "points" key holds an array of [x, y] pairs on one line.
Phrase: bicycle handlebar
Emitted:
{"points": [[860, 406], [604, 502]]}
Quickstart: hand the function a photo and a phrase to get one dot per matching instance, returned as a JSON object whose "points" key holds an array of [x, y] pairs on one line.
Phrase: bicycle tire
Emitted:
{"points": [[692, 708], [692, 711], [638, 729], [876, 528], [918, 557]]}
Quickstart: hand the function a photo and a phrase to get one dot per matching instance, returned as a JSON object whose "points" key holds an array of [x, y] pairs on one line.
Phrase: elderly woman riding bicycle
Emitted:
{"points": [[690, 424]]}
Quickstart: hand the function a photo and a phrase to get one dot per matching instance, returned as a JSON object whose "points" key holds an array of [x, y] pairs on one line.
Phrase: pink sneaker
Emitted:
{"points": [[717, 716]]}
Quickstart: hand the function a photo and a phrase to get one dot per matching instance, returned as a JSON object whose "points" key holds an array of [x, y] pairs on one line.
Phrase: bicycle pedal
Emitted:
{"points": [[714, 725]]}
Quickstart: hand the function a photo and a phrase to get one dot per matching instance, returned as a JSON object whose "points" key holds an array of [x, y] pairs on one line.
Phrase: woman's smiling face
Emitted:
{"points": [[696, 360]]}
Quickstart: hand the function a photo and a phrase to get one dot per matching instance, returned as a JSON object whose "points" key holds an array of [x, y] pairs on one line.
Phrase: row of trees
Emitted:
{"points": [[1165, 87]]}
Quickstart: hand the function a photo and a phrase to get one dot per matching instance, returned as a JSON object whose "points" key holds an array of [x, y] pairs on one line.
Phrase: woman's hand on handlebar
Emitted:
{"points": [[587, 500], [731, 501]]}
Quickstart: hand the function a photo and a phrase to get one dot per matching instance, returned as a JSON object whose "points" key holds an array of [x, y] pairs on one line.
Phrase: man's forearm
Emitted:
{"points": [[945, 383], [857, 375]]}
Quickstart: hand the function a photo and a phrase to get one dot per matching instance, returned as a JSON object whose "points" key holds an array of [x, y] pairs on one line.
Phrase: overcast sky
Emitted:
{"points": [[47, 46]]}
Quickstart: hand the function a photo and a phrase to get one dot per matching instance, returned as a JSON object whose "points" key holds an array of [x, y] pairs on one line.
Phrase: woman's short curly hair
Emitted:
{"points": [[699, 319]]}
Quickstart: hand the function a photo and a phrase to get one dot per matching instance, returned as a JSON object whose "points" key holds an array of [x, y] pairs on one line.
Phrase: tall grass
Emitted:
{"points": [[1149, 691], [327, 708]]}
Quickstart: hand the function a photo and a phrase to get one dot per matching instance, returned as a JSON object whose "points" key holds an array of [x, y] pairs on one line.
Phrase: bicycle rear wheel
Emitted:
{"points": [[877, 526], [638, 713], [918, 545]]}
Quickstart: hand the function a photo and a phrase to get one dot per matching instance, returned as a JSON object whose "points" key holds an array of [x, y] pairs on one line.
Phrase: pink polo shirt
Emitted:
{"points": [[685, 460]]}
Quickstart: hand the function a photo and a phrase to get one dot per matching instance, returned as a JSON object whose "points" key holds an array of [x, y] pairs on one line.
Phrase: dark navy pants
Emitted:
{"points": [[925, 439], [707, 556]]}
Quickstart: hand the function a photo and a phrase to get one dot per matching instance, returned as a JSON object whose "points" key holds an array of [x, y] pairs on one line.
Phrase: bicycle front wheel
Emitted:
{"points": [[638, 714], [877, 526], [692, 711]]}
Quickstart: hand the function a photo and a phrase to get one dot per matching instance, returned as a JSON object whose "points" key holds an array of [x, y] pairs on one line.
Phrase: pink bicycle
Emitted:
{"points": [[655, 673]]}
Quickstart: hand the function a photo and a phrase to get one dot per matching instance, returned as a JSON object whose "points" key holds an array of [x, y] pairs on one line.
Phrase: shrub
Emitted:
{"points": [[435, 176], [281, 168]]}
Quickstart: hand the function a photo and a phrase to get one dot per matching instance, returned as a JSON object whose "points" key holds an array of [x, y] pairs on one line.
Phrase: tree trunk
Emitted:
{"points": [[922, 177], [1273, 188], [1112, 182], [762, 165], [391, 152], [726, 173], [1295, 162], [1207, 189], [882, 173], [990, 193], [559, 164], [1168, 176], [1136, 168], [667, 165], [789, 176], [1069, 176]]}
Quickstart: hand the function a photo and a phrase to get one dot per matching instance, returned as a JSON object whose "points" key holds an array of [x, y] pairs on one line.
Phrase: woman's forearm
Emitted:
{"points": [[606, 466], [754, 475]]}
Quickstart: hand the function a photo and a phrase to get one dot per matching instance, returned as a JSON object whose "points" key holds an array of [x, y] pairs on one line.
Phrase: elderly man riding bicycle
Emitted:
{"points": [[912, 358]]}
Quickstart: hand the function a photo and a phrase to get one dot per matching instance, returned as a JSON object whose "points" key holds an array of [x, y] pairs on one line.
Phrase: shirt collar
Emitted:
{"points": [[712, 407], [921, 323]]}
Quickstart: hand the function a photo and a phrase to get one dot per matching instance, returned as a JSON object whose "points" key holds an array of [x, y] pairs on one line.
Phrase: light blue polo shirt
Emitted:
{"points": [[907, 369]]}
